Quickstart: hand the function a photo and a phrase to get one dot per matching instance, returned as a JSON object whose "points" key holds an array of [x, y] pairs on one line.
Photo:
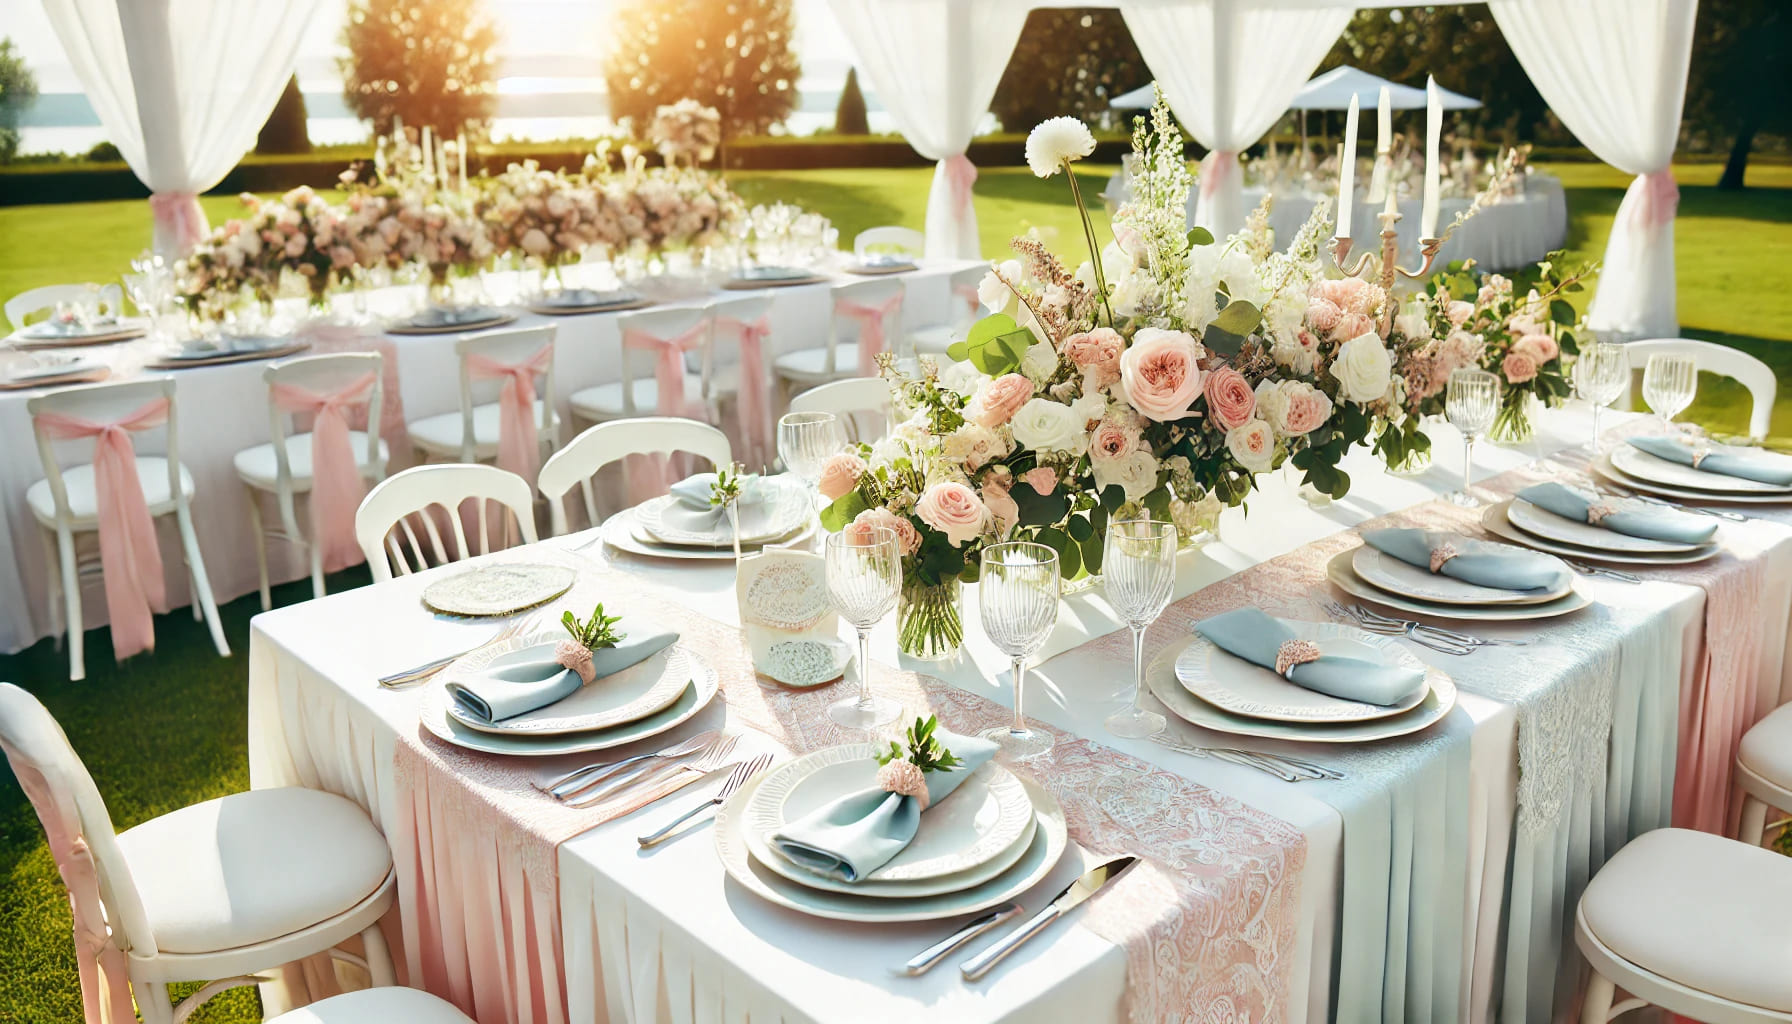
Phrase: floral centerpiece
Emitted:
{"points": [[297, 243], [686, 132]]}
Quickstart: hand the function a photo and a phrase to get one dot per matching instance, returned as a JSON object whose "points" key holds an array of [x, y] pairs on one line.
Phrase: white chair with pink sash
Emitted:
{"points": [[739, 366], [434, 499], [668, 339], [330, 463], [576, 464], [862, 403], [217, 892], [889, 241], [511, 430], [116, 495], [869, 313], [963, 309]]}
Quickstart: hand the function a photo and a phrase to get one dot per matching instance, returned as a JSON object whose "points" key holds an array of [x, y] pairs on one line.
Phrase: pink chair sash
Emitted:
{"points": [[755, 403], [129, 556], [1218, 167], [179, 221], [961, 174], [519, 440], [873, 337], [1651, 201], [651, 476], [327, 338], [336, 484]]}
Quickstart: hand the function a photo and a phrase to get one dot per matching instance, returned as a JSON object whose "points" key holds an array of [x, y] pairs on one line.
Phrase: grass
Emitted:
{"points": [[169, 729]]}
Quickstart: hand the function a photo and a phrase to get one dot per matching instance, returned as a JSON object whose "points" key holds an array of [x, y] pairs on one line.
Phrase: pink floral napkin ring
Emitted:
{"points": [[576, 656], [904, 778], [1441, 554], [1597, 511], [1699, 454], [1295, 652]]}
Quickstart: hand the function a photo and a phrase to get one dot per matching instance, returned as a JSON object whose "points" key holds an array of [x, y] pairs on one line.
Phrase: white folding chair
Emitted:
{"points": [[66, 502], [962, 310], [638, 392], [742, 335], [376, 1006], [1723, 360], [575, 465], [1764, 772], [21, 307], [214, 892], [862, 403], [424, 494], [808, 367], [471, 433], [889, 238], [282, 467], [1693, 923]]}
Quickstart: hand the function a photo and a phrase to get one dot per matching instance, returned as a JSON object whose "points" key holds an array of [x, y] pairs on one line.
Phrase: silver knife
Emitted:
{"points": [[925, 960], [1074, 894]]}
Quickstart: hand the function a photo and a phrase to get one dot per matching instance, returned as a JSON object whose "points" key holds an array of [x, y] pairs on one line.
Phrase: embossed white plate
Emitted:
{"points": [[634, 693], [1685, 495], [1494, 519], [1380, 569], [1344, 577], [1657, 470], [1235, 685], [786, 508], [982, 818], [1549, 526], [502, 589], [764, 855], [804, 663], [1050, 837], [782, 590], [619, 533]]}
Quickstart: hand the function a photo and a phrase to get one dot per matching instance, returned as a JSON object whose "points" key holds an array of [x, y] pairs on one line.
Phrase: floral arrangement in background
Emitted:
{"points": [[686, 132], [298, 243]]}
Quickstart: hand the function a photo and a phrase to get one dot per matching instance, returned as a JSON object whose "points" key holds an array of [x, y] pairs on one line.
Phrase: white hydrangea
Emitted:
{"points": [[1039, 362], [1136, 474]]}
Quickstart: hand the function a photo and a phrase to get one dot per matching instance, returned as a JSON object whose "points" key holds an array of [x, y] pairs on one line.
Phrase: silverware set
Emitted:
{"points": [[1288, 769], [737, 778], [611, 781], [1085, 886], [426, 671], [1435, 638], [1588, 569]]}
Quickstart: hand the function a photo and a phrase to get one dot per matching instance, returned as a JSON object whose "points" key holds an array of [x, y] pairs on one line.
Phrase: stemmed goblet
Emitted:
{"points": [[1017, 592], [805, 440], [1138, 573], [863, 569], [1600, 372], [1669, 382], [1471, 401]]}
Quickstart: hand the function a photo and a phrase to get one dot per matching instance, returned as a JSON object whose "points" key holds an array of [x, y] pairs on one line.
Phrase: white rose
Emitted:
{"points": [[1130, 288], [1362, 368], [1090, 406], [1253, 444], [1413, 325], [1039, 363], [993, 292], [962, 377], [1200, 300], [974, 446], [1047, 426], [1136, 474]]}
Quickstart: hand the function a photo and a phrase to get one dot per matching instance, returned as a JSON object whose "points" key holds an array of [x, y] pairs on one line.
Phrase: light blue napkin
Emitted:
{"points": [[1632, 518], [693, 512], [526, 680], [1477, 562], [1256, 637], [1761, 467], [858, 833]]}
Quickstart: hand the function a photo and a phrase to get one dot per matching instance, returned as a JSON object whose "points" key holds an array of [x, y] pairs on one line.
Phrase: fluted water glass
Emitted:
{"points": [[1669, 382], [805, 440], [1138, 575], [1017, 592], [1471, 401], [863, 569], [1600, 372]]}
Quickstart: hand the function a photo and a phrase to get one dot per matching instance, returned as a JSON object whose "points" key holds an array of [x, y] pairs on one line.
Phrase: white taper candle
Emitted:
{"points": [[1347, 172], [1434, 133]]}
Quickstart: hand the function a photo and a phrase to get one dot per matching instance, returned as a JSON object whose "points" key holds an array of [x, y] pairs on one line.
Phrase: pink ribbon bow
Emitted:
{"points": [[961, 174], [1651, 200], [336, 484], [179, 221], [755, 404], [519, 442], [873, 338], [651, 475], [129, 557], [1217, 168]]}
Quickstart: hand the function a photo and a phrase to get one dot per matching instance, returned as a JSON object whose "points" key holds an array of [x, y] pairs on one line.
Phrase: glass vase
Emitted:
{"points": [[1513, 425], [930, 620], [1414, 462]]}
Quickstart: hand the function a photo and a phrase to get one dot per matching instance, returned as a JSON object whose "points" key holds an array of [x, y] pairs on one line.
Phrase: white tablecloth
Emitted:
{"points": [[224, 409]]}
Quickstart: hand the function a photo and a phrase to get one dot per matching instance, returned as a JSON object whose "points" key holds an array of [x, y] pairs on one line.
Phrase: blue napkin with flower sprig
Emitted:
{"points": [[1257, 637], [1631, 518], [1761, 467], [526, 680], [693, 512], [1485, 565]]}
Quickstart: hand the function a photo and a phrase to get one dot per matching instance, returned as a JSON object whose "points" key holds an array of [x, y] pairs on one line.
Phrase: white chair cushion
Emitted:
{"points": [[83, 503], [1707, 912], [810, 364], [376, 1006], [257, 465], [935, 340], [440, 435], [604, 402], [251, 867], [1767, 748]]}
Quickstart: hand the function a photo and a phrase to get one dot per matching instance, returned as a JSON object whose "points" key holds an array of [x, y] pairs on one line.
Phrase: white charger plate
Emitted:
{"points": [[1657, 470], [56, 366], [1237, 686], [785, 512], [502, 589], [619, 532], [1379, 569], [642, 689], [1342, 576], [1160, 679], [1546, 524], [1050, 837], [1684, 495], [1496, 520]]}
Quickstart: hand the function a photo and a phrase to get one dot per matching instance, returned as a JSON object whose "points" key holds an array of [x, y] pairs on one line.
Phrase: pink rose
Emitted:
{"points": [[1161, 373], [998, 400], [1112, 440], [1097, 354], [1518, 367], [1001, 505], [1307, 410], [1352, 325], [1459, 311], [907, 537], [840, 474], [1043, 479], [1323, 314], [1540, 347], [1230, 400], [953, 509]]}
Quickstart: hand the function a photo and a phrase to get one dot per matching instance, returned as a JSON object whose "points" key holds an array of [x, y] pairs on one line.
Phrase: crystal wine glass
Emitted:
{"points": [[1471, 401], [1669, 382], [805, 440], [863, 568], [1018, 592], [1600, 372], [1138, 572]]}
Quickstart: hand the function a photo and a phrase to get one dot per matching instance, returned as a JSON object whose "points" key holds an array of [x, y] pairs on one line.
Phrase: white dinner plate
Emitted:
{"points": [[786, 508], [1385, 572], [1657, 470], [1496, 520], [1546, 524], [1049, 840], [52, 364], [433, 710], [1685, 495], [619, 532], [1233, 684], [642, 689], [1160, 679], [1345, 578]]}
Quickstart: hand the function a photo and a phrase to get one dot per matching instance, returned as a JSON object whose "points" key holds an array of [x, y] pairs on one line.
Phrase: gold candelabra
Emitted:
{"points": [[1389, 268]]}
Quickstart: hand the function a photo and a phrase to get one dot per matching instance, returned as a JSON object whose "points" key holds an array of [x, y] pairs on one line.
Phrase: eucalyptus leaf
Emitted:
{"points": [[1198, 235], [1239, 317], [995, 344], [1562, 312], [958, 351], [1092, 552], [843, 510], [1080, 529]]}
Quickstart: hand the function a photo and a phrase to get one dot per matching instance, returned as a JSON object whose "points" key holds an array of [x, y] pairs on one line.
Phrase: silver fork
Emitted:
{"points": [[1418, 632], [1288, 769], [736, 779], [592, 774], [421, 673], [715, 756], [1449, 636], [1621, 492], [1588, 569]]}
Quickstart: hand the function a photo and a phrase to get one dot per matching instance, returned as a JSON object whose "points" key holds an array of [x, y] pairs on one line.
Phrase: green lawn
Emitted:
{"points": [[169, 729]]}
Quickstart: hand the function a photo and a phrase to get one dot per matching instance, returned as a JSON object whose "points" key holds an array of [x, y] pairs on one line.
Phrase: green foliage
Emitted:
{"points": [[1239, 318], [1739, 49], [1199, 235], [18, 86], [430, 62], [1068, 61], [849, 114], [734, 55], [285, 130], [726, 489], [924, 749], [596, 632], [1326, 446], [843, 510], [1040, 509], [994, 344], [104, 153]]}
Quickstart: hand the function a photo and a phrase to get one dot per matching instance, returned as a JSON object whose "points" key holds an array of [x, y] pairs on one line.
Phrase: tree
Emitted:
{"points": [[18, 86], [849, 114], [734, 55], [286, 130], [1068, 61], [1740, 77], [430, 62]]}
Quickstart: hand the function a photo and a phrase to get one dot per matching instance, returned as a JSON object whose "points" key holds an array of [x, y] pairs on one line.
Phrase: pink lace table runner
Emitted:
{"points": [[1207, 922]]}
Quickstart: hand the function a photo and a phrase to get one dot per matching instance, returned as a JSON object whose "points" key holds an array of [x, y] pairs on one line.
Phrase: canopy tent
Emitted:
{"points": [[1332, 90]]}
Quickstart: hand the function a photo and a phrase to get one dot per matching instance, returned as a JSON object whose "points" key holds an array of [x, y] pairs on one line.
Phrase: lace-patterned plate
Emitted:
{"points": [[1050, 838], [1382, 570], [805, 663], [1605, 468], [788, 509], [1160, 679], [620, 533], [1342, 576], [1657, 470], [783, 590], [1496, 522], [1235, 685], [629, 695], [1543, 523], [503, 589]]}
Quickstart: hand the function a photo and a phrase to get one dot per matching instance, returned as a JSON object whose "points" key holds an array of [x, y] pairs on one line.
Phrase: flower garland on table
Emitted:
{"points": [[298, 243]]}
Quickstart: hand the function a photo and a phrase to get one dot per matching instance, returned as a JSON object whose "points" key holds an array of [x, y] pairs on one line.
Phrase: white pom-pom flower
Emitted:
{"points": [[1055, 142]]}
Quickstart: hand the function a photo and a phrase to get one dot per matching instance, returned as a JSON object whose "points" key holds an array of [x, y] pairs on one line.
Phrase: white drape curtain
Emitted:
{"points": [[1614, 71], [181, 87], [934, 65], [1230, 68]]}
